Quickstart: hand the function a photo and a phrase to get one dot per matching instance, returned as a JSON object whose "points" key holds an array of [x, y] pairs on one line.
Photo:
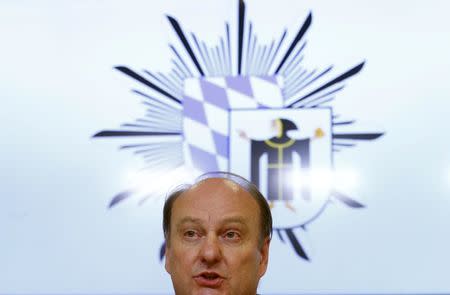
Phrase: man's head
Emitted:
{"points": [[217, 236]]}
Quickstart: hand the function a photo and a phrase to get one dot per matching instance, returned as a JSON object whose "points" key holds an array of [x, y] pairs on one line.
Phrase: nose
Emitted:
{"points": [[210, 252]]}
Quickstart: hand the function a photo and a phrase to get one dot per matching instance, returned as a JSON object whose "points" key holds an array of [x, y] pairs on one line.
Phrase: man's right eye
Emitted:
{"points": [[190, 234]]}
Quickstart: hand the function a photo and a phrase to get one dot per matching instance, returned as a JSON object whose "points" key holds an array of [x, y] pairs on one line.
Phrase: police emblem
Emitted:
{"points": [[258, 113]]}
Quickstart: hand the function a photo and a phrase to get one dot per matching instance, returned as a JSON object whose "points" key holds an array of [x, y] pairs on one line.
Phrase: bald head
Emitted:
{"points": [[210, 190], [217, 201]]}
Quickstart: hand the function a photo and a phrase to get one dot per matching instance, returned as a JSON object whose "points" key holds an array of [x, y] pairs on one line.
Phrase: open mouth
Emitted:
{"points": [[210, 276], [209, 279]]}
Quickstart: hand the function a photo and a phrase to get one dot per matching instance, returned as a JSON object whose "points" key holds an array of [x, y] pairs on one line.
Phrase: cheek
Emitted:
{"points": [[181, 260], [244, 269], [243, 260], [181, 265]]}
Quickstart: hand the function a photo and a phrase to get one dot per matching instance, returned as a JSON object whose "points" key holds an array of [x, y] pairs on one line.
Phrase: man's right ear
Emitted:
{"points": [[167, 258]]}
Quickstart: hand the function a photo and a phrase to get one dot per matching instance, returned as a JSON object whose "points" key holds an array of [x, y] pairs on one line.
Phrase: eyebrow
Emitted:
{"points": [[233, 219], [189, 219]]}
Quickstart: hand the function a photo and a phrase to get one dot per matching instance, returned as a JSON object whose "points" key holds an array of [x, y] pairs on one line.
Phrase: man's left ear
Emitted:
{"points": [[264, 251]]}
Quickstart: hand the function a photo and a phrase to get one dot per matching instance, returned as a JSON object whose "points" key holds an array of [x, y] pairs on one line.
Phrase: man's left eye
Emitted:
{"points": [[232, 235]]}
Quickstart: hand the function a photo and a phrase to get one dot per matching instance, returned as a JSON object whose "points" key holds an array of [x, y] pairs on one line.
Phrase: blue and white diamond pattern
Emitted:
{"points": [[206, 106]]}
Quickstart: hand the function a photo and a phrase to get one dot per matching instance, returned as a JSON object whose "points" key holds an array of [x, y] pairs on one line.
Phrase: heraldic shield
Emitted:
{"points": [[238, 124]]}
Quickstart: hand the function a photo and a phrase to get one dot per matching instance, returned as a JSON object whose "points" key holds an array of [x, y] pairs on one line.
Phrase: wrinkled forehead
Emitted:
{"points": [[216, 195]]}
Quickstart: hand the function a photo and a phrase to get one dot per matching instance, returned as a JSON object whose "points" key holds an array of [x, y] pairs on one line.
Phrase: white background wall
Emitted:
{"points": [[58, 88]]}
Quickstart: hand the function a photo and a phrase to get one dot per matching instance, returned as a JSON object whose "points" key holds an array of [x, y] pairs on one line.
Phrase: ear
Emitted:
{"points": [[264, 252], [167, 259]]}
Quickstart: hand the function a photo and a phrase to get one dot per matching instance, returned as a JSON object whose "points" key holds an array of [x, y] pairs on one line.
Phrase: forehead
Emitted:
{"points": [[216, 199]]}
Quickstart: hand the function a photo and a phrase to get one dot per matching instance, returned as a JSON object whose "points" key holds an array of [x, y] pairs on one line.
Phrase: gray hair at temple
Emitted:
{"points": [[265, 214]]}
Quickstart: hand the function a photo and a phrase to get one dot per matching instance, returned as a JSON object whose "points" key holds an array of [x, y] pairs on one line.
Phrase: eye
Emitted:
{"points": [[232, 235], [190, 234]]}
